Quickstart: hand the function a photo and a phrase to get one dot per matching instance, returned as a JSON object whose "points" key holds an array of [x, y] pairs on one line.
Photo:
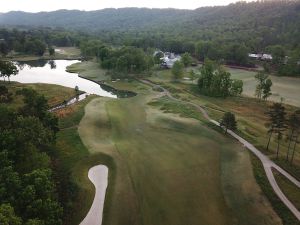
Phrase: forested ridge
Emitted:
{"points": [[257, 24]]}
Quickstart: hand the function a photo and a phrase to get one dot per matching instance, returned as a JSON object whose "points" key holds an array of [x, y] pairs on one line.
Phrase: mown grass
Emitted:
{"points": [[73, 163], [287, 217], [55, 94], [175, 170]]}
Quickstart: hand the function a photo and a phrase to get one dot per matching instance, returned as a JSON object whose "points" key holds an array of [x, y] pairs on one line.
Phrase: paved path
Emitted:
{"points": [[267, 163], [99, 177]]}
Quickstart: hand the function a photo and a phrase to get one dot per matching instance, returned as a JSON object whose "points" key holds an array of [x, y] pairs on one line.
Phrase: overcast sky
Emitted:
{"points": [[51, 5]]}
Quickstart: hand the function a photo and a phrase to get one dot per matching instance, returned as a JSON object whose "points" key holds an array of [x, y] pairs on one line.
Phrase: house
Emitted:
{"points": [[266, 57], [260, 56], [169, 59]]}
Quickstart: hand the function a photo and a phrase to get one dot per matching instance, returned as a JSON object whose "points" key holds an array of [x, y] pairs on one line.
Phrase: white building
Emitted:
{"points": [[169, 59], [260, 56]]}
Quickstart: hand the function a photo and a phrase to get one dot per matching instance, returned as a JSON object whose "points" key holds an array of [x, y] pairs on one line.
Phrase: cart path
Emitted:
{"points": [[268, 164]]}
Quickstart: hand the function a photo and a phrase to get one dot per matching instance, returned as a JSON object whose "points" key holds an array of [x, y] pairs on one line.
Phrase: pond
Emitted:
{"points": [[54, 72]]}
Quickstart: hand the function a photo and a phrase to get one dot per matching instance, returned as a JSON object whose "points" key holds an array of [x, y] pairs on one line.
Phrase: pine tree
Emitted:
{"points": [[278, 123], [228, 121]]}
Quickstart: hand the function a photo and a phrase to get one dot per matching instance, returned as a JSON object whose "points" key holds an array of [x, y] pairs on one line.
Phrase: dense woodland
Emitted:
{"points": [[28, 191]]}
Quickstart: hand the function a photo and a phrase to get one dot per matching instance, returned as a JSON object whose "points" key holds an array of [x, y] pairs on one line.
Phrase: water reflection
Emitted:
{"points": [[54, 72]]}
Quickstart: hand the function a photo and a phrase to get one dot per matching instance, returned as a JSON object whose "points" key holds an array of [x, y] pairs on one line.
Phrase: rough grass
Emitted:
{"points": [[284, 213], [55, 94], [291, 191], [170, 169]]}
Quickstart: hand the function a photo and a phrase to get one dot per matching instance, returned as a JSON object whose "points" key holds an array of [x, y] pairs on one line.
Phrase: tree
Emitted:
{"points": [[228, 121], [294, 131], [267, 89], [261, 78], [278, 54], [215, 81], [4, 48], [158, 56], [76, 89], [236, 87], [177, 70], [51, 51], [186, 59], [237, 54], [8, 216], [5, 95], [277, 118], [7, 69], [192, 75], [35, 222]]}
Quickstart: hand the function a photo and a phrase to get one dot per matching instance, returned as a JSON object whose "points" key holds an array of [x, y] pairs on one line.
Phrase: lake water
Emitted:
{"points": [[54, 72]]}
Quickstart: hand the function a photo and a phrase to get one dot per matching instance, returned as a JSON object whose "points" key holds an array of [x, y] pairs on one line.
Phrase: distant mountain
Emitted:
{"points": [[106, 19], [264, 22]]}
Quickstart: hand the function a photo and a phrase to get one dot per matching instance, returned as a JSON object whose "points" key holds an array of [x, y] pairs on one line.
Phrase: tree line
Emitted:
{"points": [[36, 41]]}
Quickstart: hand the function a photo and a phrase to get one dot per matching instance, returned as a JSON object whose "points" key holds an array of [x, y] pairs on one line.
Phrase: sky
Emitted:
{"points": [[51, 5]]}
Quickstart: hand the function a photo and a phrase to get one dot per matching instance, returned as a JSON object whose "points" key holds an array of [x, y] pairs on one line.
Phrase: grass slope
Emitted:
{"points": [[55, 94]]}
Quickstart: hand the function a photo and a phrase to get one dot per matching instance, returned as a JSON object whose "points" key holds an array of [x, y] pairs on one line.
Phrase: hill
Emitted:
{"points": [[274, 21]]}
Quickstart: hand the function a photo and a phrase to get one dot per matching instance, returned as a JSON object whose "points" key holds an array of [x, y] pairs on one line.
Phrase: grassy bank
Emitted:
{"points": [[291, 191], [55, 94]]}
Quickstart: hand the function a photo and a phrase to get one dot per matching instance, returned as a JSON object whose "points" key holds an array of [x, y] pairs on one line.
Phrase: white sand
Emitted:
{"points": [[99, 177]]}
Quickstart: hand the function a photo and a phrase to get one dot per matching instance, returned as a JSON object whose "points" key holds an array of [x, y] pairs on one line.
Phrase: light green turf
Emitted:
{"points": [[171, 170], [89, 69], [287, 88]]}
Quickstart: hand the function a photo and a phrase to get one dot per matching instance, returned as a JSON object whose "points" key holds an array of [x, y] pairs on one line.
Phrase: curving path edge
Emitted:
{"points": [[98, 175], [268, 164]]}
